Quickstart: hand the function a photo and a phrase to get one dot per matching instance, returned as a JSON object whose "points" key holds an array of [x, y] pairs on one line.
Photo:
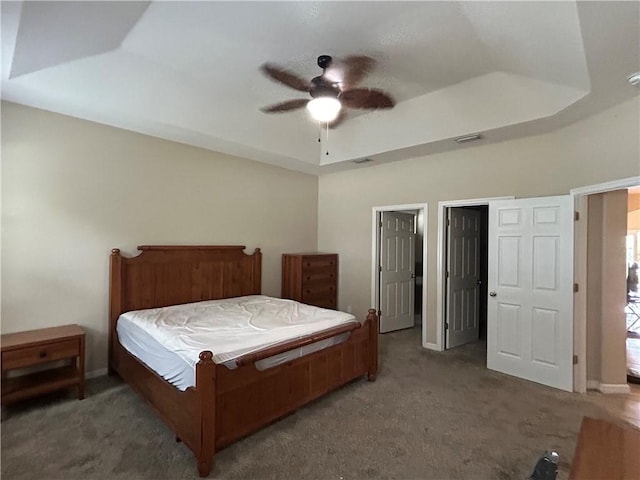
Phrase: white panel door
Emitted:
{"points": [[463, 276], [530, 304], [397, 275]]}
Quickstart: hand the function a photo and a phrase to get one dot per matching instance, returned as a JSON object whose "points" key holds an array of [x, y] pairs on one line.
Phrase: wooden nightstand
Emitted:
{"points": [[40, 347]]}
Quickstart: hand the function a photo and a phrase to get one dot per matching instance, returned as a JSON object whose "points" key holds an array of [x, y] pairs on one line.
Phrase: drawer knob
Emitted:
{"points": [[43, 354]]}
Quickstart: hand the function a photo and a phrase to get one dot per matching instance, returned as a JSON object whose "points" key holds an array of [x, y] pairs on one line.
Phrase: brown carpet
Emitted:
{"points": [[428, 416]]}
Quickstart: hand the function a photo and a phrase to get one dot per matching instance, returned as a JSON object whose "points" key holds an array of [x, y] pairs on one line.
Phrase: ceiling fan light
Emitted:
{"points": [[324, 109]]}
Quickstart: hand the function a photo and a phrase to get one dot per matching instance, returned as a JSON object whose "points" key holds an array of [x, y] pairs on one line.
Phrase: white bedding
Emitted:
{"points": [[170, 339]]}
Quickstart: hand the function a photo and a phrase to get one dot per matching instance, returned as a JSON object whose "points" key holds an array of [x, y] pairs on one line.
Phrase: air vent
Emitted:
{"points": [[634, 79], [469, 138], [362, 160]]}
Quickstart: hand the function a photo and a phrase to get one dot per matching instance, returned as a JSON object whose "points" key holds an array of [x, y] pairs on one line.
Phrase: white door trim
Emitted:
{"points": [[375, 243], [606, 186], [441, 260], [580, 383]]}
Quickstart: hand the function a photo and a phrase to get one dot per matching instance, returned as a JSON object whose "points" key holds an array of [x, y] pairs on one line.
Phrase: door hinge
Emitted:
{"points": [[447, 275], [379, 313], [576, 216], [576, 288], [575, 359], [380, 224], [380, 268], [448, 222]]}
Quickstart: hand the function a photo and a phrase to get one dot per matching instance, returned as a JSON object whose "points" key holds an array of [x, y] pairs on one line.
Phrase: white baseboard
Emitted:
{"points": [[432, 346], [96, 373], [608, 387]]}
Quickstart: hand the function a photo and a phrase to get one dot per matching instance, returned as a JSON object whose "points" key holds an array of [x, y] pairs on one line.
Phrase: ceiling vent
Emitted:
{"points": [[469, 138], [362, 160]]}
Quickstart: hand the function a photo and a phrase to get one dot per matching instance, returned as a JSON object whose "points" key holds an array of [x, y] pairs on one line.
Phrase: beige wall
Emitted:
{"points": [[72, 190], [601, 148]]}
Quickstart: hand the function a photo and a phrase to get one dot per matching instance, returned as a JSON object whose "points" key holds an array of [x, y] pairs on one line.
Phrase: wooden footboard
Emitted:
{"points": [[226, 404]]}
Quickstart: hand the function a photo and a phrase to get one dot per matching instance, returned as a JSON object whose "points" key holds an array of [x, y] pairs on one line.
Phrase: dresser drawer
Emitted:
{"points": [[25, 357], [318, 292], [323, 275], [318, 262], [326, 303]]}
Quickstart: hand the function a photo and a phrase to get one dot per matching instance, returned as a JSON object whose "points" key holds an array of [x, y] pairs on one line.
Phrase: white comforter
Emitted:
{"points": [[232, 327]]}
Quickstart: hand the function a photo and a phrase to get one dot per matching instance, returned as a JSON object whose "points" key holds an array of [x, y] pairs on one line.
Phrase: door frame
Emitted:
{"points": [[441, 262], [376, 213], [581, 195]]}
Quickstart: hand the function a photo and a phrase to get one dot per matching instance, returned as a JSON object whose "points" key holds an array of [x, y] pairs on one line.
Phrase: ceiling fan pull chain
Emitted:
{"points": [[327, 140]]}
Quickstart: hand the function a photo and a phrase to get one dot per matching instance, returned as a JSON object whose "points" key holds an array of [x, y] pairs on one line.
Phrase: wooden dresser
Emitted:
{"points": [[311, 278], [45, 348]]}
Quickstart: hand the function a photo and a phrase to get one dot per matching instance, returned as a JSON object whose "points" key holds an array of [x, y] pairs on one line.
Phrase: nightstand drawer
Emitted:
{"points": [[25, 357]]}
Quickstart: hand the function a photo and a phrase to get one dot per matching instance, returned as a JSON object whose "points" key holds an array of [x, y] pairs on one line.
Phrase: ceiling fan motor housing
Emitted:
{"points": [[324, 61], [322, 88]]}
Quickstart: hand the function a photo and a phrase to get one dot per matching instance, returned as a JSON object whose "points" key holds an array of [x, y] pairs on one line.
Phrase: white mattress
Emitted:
{"points": [[170, 339]]}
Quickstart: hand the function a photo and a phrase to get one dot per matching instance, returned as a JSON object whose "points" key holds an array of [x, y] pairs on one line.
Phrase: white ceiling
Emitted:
{"points": [[189, 71]]}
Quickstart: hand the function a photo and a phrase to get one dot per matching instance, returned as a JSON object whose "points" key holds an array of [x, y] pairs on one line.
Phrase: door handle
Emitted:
{"points": [[492, 294]]}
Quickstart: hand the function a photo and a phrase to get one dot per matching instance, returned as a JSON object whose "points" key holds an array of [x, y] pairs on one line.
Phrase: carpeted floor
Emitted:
{"points": [[428, 416]]}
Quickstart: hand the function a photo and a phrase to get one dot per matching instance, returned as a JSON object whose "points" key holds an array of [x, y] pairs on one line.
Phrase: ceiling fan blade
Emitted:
{"points": [[283, 76], [355, 67], [286, 106], [366, 98], [342, 116]]}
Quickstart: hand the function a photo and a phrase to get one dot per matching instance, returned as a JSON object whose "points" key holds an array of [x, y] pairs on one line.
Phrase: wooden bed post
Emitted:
{"points": [[257, 271], [372, 320], [115, 303], [206, 399]]}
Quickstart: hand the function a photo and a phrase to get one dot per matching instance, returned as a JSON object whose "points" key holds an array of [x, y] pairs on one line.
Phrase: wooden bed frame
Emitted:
{"points": [[225, 404]]}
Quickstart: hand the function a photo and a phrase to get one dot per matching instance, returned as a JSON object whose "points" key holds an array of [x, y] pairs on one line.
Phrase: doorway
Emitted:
{"points": [[465, 282], [600, 340], [632, 309], [398, 289], [442, 299]]}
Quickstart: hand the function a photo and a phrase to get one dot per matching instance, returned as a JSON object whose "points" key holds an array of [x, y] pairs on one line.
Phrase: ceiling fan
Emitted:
{"points": [[331, 90]]}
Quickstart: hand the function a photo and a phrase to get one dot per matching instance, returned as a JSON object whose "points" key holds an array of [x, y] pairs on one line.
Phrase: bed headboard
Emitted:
{"points": [[171, 275]]}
